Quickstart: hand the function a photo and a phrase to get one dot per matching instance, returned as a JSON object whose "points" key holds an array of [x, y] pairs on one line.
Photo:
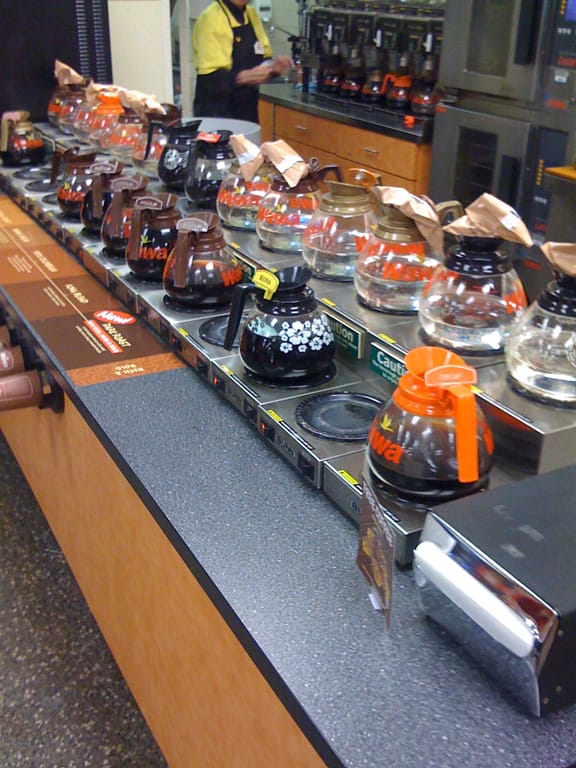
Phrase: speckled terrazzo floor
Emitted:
{"points": [[63, 701]]}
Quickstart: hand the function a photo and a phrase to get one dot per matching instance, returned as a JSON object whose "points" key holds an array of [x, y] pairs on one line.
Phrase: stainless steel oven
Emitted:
{"points": [[477, 151], [495, 46], [508, 71]]}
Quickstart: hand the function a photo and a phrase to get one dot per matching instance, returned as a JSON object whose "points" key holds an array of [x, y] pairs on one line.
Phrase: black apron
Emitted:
{"points": [[240, 102]]}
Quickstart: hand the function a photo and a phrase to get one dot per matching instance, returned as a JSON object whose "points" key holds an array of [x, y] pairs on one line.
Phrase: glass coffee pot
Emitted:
{"points": [[104, 117], [285, 211], [152, 234], [121, 139], [338, 230], [396, 263], [98, 196], [541, 348], [207, 167], [173, 161], [63, 105], [152, 139], [286, 338], [115, 229], [397, 87], [75, 179], [430, 442], [473, 300], [20, 142], [238, 200], [200, 272]]}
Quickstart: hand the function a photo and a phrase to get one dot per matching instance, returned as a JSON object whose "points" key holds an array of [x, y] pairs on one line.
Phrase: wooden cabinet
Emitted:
{"points": [[398, 162], [266, 118]]}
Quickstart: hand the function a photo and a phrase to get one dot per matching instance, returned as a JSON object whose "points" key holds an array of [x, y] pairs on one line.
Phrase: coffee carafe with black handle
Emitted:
{"points": [[286, 337]]}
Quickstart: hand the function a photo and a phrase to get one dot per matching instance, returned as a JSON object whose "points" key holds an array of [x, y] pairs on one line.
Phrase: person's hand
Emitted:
{"points": [[257, 75], [281, 63]]}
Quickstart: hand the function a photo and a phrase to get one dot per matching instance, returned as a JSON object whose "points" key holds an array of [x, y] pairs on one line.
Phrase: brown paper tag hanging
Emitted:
{"points": [[375, 556]]}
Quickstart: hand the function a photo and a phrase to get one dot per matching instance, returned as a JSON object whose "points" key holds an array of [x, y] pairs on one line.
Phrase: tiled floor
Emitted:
{"points": [[63, 701]]}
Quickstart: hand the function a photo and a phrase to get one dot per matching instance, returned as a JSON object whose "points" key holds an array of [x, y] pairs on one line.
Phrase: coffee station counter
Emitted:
{"points": [[393, 144], [413, 128], [224, 583]]}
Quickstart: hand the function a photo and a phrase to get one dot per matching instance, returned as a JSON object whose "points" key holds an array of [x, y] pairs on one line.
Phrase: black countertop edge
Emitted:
{"points": [[285, 95]]}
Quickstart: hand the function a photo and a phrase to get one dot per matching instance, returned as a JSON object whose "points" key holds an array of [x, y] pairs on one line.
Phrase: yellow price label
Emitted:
{"points": [[267, 281]]}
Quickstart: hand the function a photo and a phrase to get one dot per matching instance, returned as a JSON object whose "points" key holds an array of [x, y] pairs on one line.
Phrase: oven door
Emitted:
{"points": [[475, 152], [495, 46]]}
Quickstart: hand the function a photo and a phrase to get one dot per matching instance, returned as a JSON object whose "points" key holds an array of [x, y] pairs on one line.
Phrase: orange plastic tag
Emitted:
{"points": [[447, 375], [211, 137]]}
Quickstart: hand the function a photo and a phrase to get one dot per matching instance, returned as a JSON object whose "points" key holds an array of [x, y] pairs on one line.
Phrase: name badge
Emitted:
{"points": [[258, 48]]}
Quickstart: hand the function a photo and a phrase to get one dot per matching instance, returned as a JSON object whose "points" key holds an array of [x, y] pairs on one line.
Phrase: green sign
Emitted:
{"points": [[386, 365]]}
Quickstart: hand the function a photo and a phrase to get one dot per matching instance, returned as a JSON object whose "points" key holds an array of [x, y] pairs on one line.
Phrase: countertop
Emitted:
{"points": [[277, 558], [378, 119]]}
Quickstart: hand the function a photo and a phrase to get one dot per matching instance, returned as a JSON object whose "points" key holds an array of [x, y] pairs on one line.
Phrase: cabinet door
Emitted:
{"points": [[293, 125], [389, 154], [266, 117], [306, 152]]}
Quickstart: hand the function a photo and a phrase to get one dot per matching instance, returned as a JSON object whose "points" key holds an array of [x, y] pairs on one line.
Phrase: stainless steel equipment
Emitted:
{"points": [[497, 571], [509, 108]]}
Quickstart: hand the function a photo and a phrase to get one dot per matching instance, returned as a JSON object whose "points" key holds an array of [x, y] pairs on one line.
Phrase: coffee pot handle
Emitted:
{"points": [[464, 402], [136, 225], [448, 210], [239, 295], [331, 168]]}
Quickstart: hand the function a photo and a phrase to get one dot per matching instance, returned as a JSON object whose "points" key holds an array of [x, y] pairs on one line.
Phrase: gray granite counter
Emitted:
{"points": [[278, 559]]}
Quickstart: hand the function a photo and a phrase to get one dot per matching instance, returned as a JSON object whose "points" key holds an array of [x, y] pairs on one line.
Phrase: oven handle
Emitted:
{"points": [[480, 604], [527, 35]]}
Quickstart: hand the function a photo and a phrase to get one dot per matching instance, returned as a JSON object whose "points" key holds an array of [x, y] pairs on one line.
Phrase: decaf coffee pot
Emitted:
{"points": [[173, 161], [115, 229], [75, 169], [430, 442], [98, 196], [286, 338], [238, 200], [396, 263], [200, 272], [152, 234], [20, 142], [207, 167], [104, 118], [338, 230], [473, 300], [541, 348], [285, 211]]}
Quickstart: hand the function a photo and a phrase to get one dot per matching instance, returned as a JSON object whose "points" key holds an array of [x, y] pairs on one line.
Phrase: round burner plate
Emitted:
{"points": [[344, 416], [213, 331]]}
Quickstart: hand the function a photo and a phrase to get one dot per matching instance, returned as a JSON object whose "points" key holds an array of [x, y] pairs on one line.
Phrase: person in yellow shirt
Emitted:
{"points": [[233, 57]]}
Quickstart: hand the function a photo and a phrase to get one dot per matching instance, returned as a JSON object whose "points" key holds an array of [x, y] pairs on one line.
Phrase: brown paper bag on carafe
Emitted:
{"points": [[286, 161], [488, 216], [65, 75], [249, 155], [561, 256], [419, 208]]}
